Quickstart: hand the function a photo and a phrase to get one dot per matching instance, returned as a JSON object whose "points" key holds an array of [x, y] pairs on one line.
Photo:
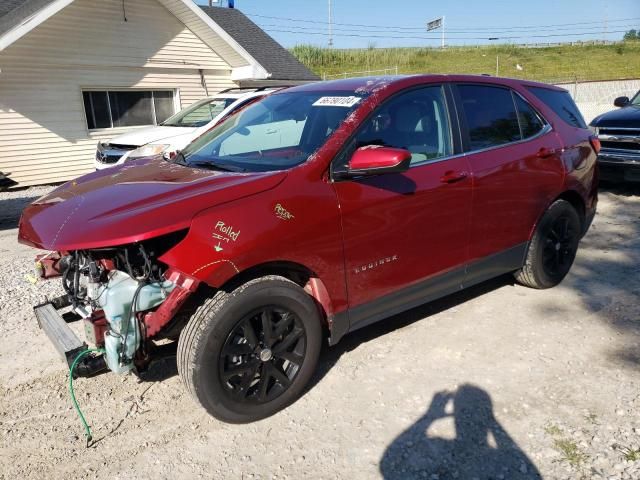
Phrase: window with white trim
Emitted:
{"points": [[127, 108]]}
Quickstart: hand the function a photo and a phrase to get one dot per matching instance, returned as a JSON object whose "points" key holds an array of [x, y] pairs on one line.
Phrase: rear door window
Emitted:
{"points": [[562, 104], [490, 115]]}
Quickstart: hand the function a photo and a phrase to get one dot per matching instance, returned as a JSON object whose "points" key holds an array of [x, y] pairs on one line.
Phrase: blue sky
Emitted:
{"points": [[476, 20]]}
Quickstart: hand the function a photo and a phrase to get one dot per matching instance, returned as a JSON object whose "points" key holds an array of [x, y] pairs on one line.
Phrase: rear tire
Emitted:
{"points": [[249, 353], [552, 248]]}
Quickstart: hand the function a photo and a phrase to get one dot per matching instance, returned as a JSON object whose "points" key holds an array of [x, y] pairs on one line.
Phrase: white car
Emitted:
{"points": [[177, 131]]}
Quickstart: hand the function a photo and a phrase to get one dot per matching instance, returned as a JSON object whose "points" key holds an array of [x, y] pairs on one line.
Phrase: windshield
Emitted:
{"points": [[276, 133], [199, 114], [636, 99]]}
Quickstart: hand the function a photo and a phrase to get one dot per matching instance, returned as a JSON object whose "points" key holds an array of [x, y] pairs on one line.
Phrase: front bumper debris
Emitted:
{"points": [[66, 342]]}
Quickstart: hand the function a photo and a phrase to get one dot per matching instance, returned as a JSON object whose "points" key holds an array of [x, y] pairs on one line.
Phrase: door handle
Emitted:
{"points": [[453, 176], [545, 152]]}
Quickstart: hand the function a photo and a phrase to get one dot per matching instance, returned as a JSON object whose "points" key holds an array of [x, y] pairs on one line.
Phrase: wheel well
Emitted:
{"points": [[295, 272], [298, 274], [576, 201]]}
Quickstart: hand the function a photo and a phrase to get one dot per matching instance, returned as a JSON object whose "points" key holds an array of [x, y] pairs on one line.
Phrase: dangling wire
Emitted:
{"points": [[87, 430]]}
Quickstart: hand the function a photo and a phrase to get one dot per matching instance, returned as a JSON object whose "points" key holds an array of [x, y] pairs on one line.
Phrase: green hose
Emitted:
{"points": [[87, 430]]}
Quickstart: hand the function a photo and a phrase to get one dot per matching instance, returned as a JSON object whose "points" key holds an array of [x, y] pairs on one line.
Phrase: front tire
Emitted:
{"points": [[247, 354], [553, 247]]}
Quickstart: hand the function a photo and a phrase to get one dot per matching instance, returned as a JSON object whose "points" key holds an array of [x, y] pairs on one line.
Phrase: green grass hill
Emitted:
{"points": [[555, 64]]}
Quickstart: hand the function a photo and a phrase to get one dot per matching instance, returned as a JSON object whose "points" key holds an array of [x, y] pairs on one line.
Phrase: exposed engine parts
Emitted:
{"points": [[124, 295]]}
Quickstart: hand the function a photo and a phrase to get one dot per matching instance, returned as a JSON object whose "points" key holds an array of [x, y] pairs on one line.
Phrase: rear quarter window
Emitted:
{"points": [[530, 122], [562, 104]]}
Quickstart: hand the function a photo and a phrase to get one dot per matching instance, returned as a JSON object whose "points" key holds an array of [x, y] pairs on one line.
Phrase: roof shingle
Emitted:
{"points": [[14, 12], [277, 60]]}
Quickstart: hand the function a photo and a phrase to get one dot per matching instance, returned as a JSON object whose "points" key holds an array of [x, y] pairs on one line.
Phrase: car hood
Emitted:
{"points": [[150, 134], [136, 201], [627, 117]]}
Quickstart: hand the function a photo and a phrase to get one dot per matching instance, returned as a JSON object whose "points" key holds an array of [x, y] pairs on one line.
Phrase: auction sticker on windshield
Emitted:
{"points": [[336, 101]]}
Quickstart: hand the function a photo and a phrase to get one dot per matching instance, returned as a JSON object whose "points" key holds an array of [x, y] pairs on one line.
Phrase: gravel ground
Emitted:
{"points": [[499, 382]]}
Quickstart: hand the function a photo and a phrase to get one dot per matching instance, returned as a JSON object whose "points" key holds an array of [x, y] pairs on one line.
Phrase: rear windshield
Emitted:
{"points": [[562, 104], [199, 113]]}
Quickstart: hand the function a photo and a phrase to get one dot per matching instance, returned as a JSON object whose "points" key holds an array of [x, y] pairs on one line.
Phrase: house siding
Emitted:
{"points": [[188, 17], [43, 131]]}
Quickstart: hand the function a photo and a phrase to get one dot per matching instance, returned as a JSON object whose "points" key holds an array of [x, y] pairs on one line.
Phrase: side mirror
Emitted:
{"points": [[621, 101], [377, 160], [170, 155]]}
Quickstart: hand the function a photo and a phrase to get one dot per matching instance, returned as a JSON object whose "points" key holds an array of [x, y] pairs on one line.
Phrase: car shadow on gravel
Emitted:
{"points": [[622, 189], [607, 278], [480, 447], [165, 367], [331, 355], [11, 209]]}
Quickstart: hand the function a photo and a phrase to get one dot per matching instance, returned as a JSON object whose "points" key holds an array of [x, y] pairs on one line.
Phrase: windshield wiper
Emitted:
{"points": [[215, 166], [181, 160]]}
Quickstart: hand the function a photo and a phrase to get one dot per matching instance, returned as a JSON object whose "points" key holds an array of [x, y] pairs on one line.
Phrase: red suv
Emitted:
{"points": [[317, 211]]}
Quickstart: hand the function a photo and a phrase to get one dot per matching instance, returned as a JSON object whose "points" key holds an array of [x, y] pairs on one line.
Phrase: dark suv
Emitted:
{"points": [[619, 135], [315, 212]]}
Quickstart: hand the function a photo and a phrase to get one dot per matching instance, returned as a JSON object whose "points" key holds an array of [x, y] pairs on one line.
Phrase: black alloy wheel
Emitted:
{"points": [[247, 353], [553, 247], [560, 246], [262, 355]]}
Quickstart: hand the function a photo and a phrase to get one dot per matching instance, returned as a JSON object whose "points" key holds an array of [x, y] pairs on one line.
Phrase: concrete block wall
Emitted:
{"points": [[594, 98]]}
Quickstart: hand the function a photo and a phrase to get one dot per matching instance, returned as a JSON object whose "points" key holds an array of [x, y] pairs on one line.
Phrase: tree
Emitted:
{"points": [[632, 34]]}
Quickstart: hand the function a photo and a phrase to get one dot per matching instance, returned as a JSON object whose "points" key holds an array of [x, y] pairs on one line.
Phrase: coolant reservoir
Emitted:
{"points": [[115, 299]]}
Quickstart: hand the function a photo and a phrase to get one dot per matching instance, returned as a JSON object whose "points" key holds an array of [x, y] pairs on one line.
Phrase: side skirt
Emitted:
{"points": [[427, 291], [495, 265]]}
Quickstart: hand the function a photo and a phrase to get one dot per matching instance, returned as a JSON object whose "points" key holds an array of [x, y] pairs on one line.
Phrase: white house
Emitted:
{"points": [[73, 72]]}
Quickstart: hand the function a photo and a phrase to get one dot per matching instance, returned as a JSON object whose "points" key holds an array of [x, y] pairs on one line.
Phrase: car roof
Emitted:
{"points": [[368, 85]]}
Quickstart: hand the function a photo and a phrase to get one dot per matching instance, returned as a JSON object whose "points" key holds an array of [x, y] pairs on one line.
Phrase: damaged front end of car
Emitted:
{"points": [[109, 236], [127, 299]]}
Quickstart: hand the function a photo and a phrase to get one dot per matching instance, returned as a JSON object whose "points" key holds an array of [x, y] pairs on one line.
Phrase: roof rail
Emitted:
{"points": [[253, 89], [266, 87]]}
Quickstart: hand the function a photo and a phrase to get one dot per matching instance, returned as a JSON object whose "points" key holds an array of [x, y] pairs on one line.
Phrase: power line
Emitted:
{"points": [[392, 30], [401, 27], [308, 32], [436, 38]]}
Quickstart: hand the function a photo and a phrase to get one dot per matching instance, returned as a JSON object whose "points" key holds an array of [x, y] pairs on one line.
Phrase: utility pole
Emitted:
{"points": [[442, 32], [330, 25]]}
